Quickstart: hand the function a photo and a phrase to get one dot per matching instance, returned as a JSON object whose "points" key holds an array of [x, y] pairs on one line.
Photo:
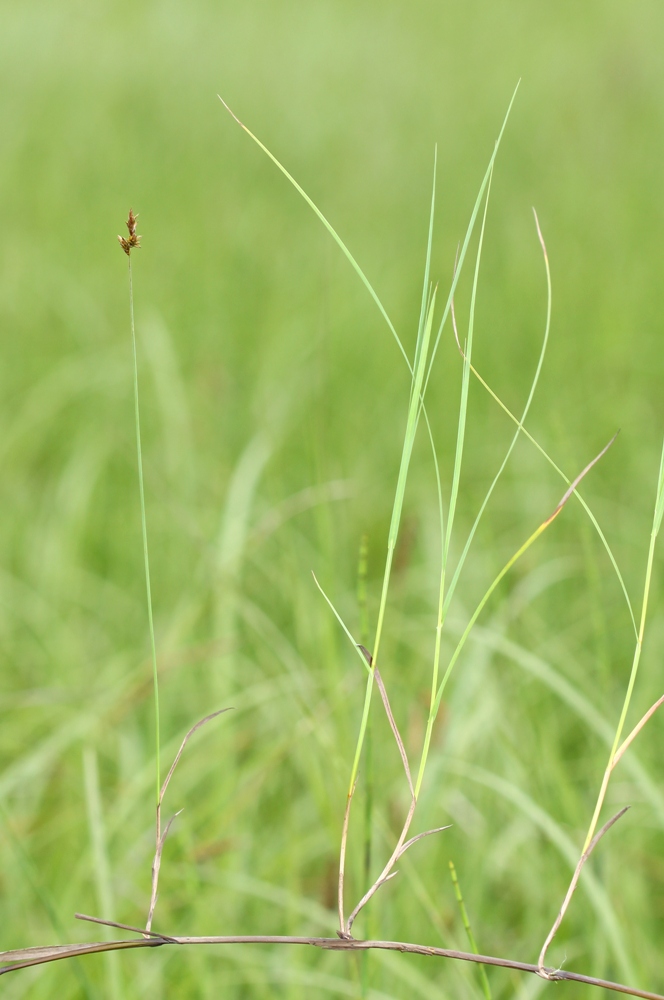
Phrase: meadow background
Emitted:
{"points": [[273, 405]]}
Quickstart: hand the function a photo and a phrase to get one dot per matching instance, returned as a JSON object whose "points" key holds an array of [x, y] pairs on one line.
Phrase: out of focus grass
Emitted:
{"points": [[273, 409]]}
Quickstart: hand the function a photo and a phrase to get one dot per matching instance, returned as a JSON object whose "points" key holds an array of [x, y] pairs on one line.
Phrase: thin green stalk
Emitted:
{"points": [[438, 693], [657, 521], [362, 572], [465, 382], [446, 534], [468, 929], [370, 679], [616, 748], [466, 241], [444, 598], [330, 228], [362, 604], [519, 428], [414, 411], [144, 530], [426, 289]]}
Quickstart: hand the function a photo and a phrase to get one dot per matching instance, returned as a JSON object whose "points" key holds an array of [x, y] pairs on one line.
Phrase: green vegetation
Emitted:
{"points": [[273, 409]]}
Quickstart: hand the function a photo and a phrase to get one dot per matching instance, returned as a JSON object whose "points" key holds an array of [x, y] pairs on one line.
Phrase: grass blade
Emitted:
{"points": [[465, 381], [330, 228], [533, 387], [469, 232], [562, 475], [507, 567], [426, 288], [356, 646]]}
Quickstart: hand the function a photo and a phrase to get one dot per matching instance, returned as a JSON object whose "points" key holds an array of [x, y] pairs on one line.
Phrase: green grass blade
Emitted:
{"points": [[444, 598], [414, 411], [465, 382], [526, 433], [330, 228], [426, 286], [469, 232], [657, 521], [447, 531], [362, 573], [343, 625], [506, 568], [659, 506], [426, 302], [533, 387]]}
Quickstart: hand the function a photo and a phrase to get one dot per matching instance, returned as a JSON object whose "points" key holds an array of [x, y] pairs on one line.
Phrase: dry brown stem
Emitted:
{"points": [[124, 927], [11, 961], [402, 845], [343, 931], [395, 730], [160, 838]]}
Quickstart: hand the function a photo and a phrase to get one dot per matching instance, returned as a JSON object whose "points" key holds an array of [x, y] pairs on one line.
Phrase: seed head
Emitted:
{"points": [[134, 240]]}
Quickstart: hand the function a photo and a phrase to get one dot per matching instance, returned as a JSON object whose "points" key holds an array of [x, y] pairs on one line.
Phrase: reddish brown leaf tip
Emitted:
{"points": [[365, 653], [582, 475]]}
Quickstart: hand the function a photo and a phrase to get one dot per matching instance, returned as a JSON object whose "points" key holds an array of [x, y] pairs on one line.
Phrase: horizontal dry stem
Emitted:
{"points": [[26, 957]]}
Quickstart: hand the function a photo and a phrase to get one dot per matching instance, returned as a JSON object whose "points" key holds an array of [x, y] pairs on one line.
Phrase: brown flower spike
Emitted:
{"points": [[134, 240]]}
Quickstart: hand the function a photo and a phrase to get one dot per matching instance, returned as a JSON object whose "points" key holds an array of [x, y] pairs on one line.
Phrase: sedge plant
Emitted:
{"points": [[420, 371], [128, 244], [430, 331], [133, 242]]}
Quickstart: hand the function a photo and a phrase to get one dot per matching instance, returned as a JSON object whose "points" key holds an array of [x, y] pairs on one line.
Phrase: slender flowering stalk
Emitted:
{"points": [[132, 242]]}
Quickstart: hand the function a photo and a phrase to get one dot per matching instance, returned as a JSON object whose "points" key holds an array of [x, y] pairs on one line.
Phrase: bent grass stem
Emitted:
{"points": [[617, 750], [12, 961]]}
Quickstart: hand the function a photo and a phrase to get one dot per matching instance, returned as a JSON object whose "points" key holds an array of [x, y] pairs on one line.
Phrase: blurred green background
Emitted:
{"points": [[273, 405]]}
